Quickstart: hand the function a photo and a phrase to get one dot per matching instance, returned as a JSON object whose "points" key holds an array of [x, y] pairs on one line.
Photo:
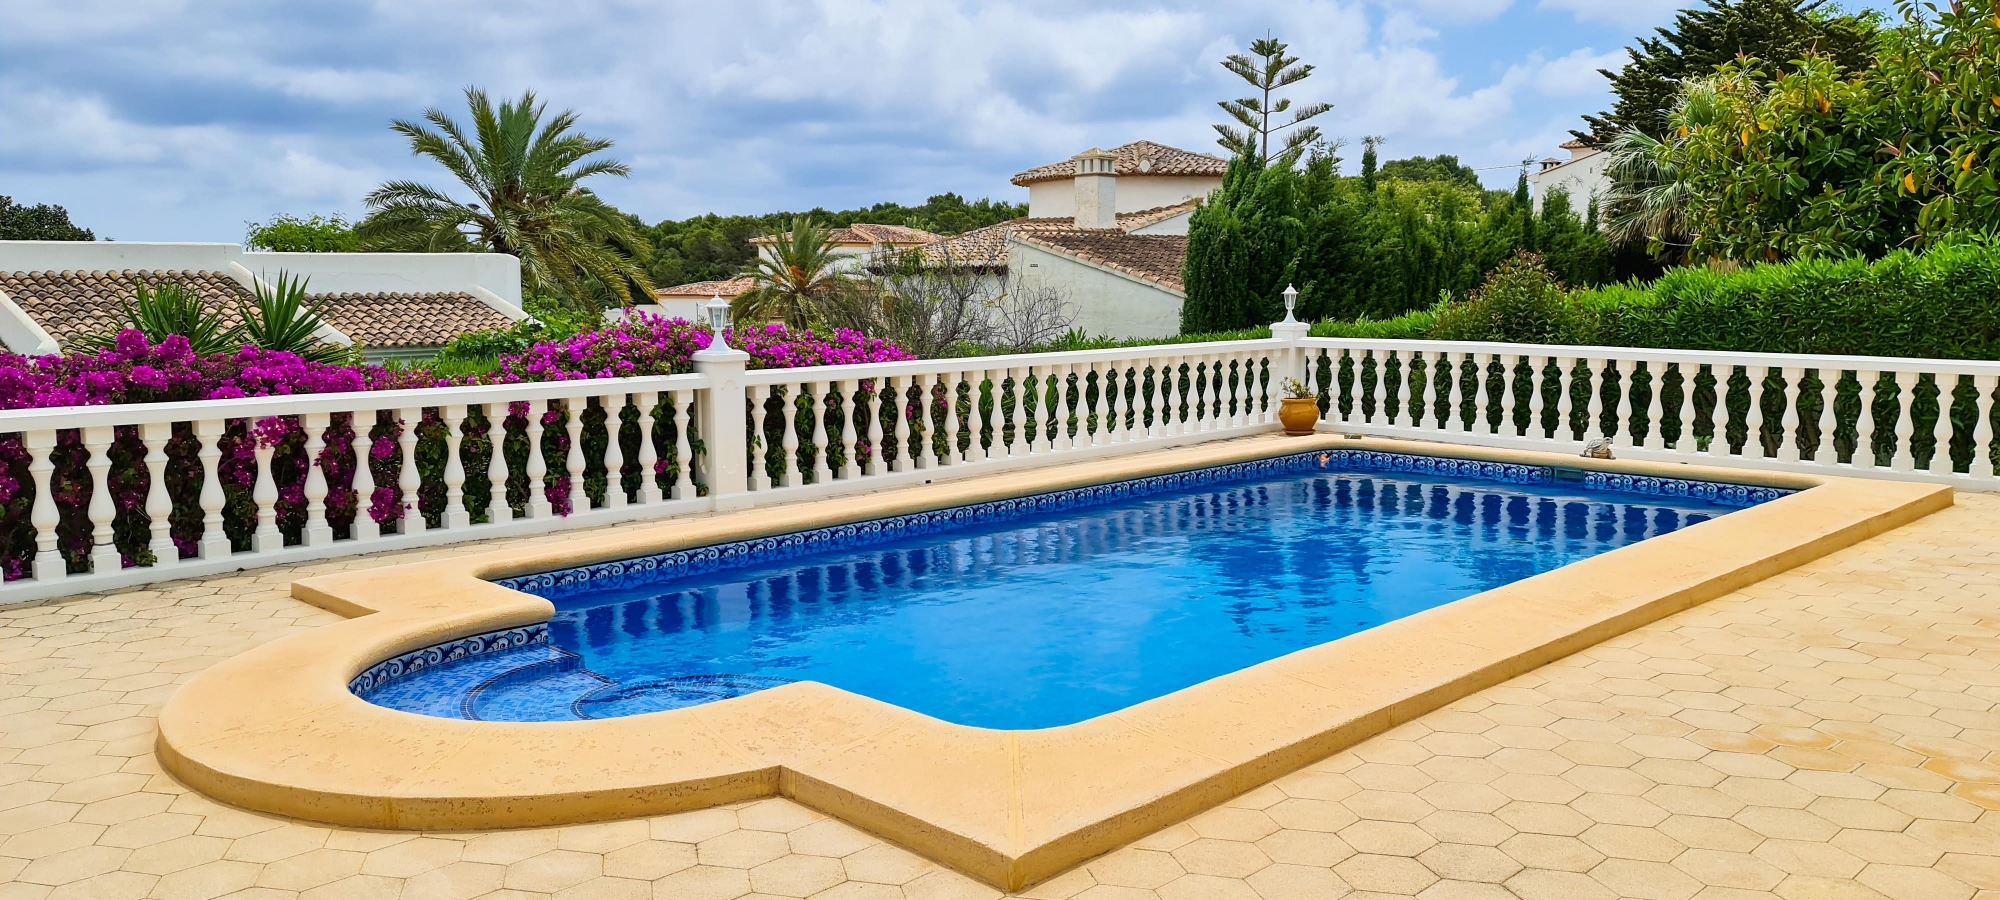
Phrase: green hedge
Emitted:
{"points": [[1941, 304]]}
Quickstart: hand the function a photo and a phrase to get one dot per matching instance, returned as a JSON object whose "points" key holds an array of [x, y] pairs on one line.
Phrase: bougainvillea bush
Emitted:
{"points": [[135, 371]]}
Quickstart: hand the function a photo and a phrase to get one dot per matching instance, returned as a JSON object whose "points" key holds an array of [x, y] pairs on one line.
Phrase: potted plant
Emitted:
{"points": [[1299, 411]]}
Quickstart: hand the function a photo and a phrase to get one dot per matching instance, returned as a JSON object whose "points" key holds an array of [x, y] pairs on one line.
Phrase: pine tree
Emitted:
{"points": [[1776, 31], [1271, 70]]}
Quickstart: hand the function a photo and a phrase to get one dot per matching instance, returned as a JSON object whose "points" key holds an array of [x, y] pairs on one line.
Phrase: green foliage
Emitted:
{"points": [[1830, 159], [1272, 70], [1717, 32], [41, 222], [792, 283], [526, 177], [1937, 305], [281, 316], [1443, 167], [286, 233], [711, 247], [477, 352], [1354, 251], [168, 307]]}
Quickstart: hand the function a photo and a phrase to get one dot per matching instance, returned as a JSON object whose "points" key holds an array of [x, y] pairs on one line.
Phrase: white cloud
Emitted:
{"points": [[1628, 13], [1578, 72]]}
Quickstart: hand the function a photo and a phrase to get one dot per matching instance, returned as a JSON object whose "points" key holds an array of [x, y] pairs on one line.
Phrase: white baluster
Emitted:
{"points": [[573, 410], [923, 428], [1627, 370], [1487, 415], [1537, 404], [1940, 462], [974, 452], [159, 504], [1064, 408], [264, 494], [862, 421], [788, 442], [822, 473], [649, 455], [1824, 454], [1454, 391], [407, 478], [317, 532], [1982, 428], [1788, 437], [365, 527], [1684, 440], [1656, 383], [1864, 423], [950, 381], [45, 516], [683, 404], [1593, 410], [539, 506], [1565, 401], [614, 451], [102, 511], [899, 415], [1753, 444], [455, 516], [1166, 372], [760, 451], [1905, 459], [497, 510]]}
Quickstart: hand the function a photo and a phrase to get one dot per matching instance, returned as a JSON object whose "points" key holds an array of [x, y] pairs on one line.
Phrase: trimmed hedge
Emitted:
{"points": [[1941, 304]]}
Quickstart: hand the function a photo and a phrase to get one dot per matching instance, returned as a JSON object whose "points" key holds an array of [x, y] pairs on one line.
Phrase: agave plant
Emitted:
{"points": [[283, 317], [163, 308]]}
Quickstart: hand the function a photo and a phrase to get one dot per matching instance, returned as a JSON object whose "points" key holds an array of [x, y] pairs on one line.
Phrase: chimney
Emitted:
{"points": [[1096, 189]]}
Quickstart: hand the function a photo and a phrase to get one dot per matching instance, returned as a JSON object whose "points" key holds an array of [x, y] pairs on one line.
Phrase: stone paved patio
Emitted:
{"points": [[1831, 733]]}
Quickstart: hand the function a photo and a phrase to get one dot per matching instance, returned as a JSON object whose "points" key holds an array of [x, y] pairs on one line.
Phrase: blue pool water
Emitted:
{"points": [[1056, 616]]}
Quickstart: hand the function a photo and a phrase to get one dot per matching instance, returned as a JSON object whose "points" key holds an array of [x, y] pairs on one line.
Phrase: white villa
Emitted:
{"points": [[1582, 175]]}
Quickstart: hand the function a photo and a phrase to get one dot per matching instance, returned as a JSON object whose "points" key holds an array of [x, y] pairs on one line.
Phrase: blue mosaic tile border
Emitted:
{"points": [[699, 560], [399, 667], [1712, 491]]}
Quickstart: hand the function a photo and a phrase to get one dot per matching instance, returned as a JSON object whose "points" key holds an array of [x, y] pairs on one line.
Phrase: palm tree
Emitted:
{"points": [[794, 279], [1648, 198], [525, 177]]}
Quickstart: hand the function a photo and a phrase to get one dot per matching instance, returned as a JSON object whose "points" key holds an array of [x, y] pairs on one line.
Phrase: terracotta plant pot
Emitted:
{"points": [[1299, 414]]}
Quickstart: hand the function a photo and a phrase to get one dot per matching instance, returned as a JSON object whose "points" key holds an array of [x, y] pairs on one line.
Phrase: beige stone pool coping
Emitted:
{"points": [[276, 729]]}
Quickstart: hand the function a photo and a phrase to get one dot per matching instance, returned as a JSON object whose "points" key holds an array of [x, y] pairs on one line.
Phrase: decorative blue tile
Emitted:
{"points": [[398, 667]]}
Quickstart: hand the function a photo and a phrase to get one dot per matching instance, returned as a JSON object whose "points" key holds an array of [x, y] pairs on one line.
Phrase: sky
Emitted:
{"points": [[184, 121]]}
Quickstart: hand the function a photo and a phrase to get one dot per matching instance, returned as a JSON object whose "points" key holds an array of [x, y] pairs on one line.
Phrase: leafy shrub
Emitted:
{"points": [[1520, 303]]}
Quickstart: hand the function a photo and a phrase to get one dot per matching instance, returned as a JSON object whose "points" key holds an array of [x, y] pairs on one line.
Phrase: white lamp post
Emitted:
{"points": [[1291, 301], [718, 349]]}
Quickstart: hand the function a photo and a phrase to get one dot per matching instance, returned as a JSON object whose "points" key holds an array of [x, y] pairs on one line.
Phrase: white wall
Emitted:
{"points": [[396, 273], [671, 307], [1583, 178], [1106, 302], [1057, 199], [1176, 225]]}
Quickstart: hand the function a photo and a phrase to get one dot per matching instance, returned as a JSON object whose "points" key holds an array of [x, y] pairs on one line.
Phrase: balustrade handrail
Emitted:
{"points": [[1666, 355], [64, 417], [852, 371]]}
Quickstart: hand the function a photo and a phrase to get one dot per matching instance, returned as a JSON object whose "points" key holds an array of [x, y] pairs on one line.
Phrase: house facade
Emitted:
{"points": [[1583, 176], [394, 305]]}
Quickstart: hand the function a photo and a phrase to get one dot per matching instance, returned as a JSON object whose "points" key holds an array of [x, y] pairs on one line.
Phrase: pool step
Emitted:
{"points": [[541, 692], [442, 689]]}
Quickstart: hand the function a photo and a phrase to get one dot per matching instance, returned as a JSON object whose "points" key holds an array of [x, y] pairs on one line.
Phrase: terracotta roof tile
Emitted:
{"points": [[72, 304], [409, 320], [1136, 158], [727, 289], [1156, 258], [988, 246]]}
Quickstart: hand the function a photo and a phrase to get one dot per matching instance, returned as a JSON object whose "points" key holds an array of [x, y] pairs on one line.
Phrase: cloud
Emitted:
{"points": [[154, 119], [1578, 72], [1627, 13]]}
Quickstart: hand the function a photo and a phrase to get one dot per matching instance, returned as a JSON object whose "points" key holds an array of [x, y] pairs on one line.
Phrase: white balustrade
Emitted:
{"points": [[1018, 411]]}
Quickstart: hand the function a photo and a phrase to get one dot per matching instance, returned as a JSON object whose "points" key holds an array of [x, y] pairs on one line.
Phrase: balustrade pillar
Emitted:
{"points": [[45, 516], [497, 510], [409, 481], [365, 527], [214, 540], [456, 516], [317, 532], [159, 503], [538, 504], [267, 538]]}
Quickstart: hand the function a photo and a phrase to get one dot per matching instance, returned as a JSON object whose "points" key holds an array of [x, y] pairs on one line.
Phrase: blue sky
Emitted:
{"points": [[162, 120]]}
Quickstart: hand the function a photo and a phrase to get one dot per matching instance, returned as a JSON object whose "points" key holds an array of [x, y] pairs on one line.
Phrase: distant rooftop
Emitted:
{"points": [[1136, 158]]}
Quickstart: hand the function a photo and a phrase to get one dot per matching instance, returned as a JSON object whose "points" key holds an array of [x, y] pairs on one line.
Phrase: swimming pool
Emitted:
{"points": [[1052, 609]]}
